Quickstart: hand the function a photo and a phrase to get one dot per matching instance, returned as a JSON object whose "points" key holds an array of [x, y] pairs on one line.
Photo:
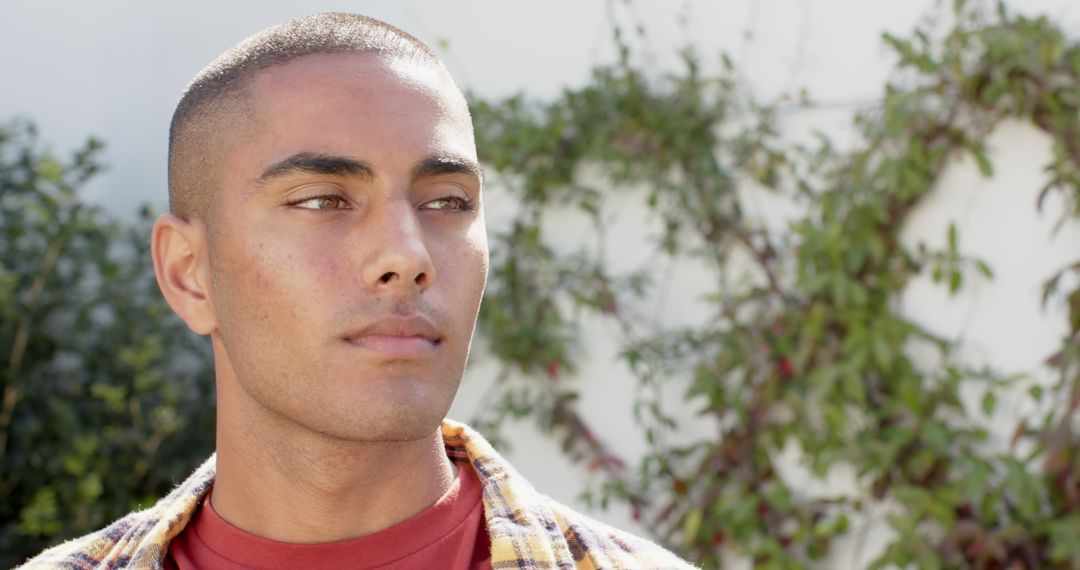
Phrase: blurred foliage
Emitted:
{"points": [[106, 396], [803, 343]]}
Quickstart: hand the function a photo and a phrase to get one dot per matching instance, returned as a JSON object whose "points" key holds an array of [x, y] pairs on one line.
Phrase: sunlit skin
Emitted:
{"points": [[339, 284]]}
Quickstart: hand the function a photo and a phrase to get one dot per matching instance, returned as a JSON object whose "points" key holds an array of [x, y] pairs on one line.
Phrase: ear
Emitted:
{"points": [[181, 265]]}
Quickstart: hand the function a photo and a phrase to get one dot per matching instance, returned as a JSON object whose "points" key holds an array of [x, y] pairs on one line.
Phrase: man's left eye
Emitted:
{"points": [[448, 204], [321, 203]]}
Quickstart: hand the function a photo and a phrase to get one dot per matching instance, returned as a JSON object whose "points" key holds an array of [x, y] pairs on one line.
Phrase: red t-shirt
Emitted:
{"points": [[449, 534]]}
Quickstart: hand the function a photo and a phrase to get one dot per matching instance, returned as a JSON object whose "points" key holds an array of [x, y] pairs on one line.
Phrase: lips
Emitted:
{"points": [[397, 336]]}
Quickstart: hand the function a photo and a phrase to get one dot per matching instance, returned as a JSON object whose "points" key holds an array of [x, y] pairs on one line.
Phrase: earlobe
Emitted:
{"points": [[178, 247]]}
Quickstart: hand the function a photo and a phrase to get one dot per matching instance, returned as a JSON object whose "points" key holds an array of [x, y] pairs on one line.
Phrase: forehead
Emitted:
{"points": [[359, 74], [357, 103]]}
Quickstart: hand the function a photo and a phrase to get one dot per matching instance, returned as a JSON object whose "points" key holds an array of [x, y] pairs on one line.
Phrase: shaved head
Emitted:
{"points": [[214, 111]]}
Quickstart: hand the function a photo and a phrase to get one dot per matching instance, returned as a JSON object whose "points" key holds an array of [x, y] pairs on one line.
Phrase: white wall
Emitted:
{"points": [[114, 68]]}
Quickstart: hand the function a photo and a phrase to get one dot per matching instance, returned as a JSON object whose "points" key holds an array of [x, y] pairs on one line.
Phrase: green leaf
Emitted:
{"points": [[989, 402], [1024, 489], [831, 526], [853, 385], [936, 436], [692, 524], [41, 516], [883, 353], [910, 396], [1064, 547], [50, 169], [956, 279], [985, 168], [90, 488], [1036, 393]]}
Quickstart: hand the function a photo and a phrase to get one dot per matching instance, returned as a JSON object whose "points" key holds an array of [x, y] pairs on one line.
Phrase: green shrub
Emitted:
{"points": [[107, 397]]}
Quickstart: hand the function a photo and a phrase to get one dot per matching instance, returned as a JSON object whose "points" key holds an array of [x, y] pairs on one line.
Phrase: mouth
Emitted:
{"points": [[399, 337]]}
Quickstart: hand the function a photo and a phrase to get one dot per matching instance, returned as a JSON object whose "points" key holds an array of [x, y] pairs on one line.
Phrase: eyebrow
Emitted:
{"points": [[314, 163], [334, 165], [447, 164]]}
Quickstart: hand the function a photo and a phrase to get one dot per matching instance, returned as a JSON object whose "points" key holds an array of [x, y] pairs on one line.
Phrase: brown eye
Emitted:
{"points": [[321, 203], [448, 204]]}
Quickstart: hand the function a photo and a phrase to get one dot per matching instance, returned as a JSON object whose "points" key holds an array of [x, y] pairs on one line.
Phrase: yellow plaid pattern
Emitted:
{"points": [[527, 529]]}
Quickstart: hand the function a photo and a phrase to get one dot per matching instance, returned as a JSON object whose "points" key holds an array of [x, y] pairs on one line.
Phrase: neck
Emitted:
{"points": [[282, 481]]}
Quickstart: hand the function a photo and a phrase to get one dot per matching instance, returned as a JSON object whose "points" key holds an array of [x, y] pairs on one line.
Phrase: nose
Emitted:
{"points": [[400, 258]]}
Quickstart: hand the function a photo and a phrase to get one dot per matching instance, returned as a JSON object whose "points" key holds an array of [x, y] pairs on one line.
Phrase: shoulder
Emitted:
{"points": [[88, 551], [139, 539], [604, 546], [530, 530]]}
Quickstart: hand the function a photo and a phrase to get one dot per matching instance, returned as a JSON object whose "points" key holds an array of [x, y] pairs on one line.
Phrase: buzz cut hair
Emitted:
{"points": [[216, 98]]}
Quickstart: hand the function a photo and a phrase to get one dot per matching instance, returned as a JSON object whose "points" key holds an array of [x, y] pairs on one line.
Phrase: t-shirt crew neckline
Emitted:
{"points": [[424, 530]]}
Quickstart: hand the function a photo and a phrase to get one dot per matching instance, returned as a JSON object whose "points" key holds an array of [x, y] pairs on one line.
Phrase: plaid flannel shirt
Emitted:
{"points": [[527, 529]]}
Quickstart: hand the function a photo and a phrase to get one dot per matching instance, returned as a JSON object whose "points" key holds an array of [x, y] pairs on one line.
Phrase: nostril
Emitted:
{"points": [[421, 279]]}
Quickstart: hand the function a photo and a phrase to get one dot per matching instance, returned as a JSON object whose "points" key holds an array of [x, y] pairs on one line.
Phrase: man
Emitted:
{"points": [[326, 232]]}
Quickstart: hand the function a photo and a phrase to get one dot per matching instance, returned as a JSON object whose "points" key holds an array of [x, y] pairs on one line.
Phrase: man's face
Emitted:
{"points": [[349, 254]]}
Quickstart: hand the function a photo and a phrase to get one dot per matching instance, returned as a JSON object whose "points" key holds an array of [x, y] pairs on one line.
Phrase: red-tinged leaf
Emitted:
{"points": [[1054, 462], [595, 465], [786, 368], [718, 538], [1020, 431]]}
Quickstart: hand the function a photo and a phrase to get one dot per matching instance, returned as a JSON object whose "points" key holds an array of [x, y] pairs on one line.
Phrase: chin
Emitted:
{"points": [[387, 421]]}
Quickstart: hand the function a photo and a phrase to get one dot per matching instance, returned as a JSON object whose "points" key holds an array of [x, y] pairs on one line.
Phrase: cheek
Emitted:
{"points": [[480, 249], [478, 242], [272, 277], [466, 266], [471, 241], [261, 279]]}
